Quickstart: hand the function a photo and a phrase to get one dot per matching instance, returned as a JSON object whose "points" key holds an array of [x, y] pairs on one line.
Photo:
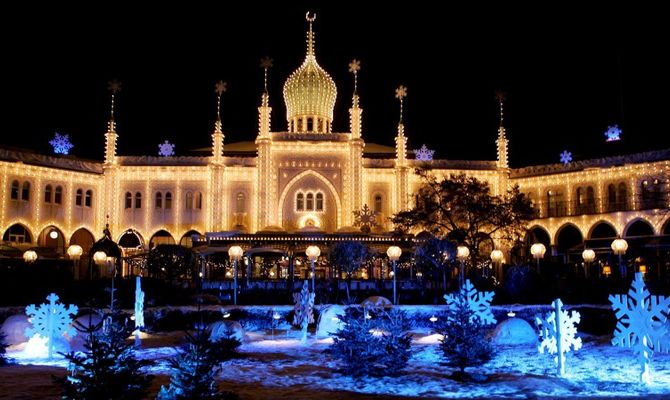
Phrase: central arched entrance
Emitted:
{"points": [[310, 201]]}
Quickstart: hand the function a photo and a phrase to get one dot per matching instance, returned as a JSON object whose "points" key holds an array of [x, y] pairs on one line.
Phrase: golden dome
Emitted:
{"points": [[309, 93]]}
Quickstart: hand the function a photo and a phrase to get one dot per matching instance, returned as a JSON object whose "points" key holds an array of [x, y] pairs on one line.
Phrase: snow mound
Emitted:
{"points": [[14, 329], [329, 321], [376, 302], [514, 331], [227, 328]]}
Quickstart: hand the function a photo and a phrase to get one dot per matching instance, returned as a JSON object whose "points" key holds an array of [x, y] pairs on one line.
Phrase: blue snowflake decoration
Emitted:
{"points": [[613, 133], [424, 154], [166, 149], [566, 157], [61, 144]]}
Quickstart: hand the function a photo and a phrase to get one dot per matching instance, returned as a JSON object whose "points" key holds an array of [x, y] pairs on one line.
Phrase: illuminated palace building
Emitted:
{"points": [[303, 185]]}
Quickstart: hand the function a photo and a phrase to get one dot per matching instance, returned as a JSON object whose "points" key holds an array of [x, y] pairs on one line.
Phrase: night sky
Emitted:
{"points": [[568, 74]]}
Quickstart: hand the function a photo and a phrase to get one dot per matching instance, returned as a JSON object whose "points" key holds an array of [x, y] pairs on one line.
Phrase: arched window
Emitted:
{"points": [[378, 204], [310, 124], [240, 202], [319, 202], [580, 196], [15, 190], [189, 200], [25, 191], [129, 200], [198, 200], [138, 200], [590, 196], [58, 195], [611, 194], [168, 200], [310, 202], [622, 195], [89, 198], [158, 203], [48, 194], [78, 197], [300, 202]]}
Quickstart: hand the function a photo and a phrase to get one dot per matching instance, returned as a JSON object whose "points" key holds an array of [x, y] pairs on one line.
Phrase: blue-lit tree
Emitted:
{"points": [[3, 350], [107, 369], [195, 370], [348, 257]]}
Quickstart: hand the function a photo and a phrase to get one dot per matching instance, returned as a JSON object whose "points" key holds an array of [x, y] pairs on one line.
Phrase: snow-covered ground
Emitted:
{"points": [[280, 367]]}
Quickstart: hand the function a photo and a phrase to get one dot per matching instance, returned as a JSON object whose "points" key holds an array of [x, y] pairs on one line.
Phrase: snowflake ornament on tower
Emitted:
{"points": [[304, 310], [613, 133], [365, 218], [166, 149], [51, 320], [558, 331], [61, 144], [641, 323], [479, 303], [566, 157], [424, 154]]}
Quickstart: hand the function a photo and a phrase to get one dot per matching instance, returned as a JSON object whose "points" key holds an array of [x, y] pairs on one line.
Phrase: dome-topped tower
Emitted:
{"points": [[310, 94]]}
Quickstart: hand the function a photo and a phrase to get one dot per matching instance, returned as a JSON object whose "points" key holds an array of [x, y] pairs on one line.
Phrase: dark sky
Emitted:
{"points": [[568, 73]]}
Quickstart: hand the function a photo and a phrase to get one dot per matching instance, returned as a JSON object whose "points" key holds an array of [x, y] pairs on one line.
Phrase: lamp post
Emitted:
{"points": [[588, 255], [497, 259], [74, 252], [538, 250], [101, 259], [619, 247], [29, 256], [313, 252], [462, 254], [394, 253], [235, 253]]}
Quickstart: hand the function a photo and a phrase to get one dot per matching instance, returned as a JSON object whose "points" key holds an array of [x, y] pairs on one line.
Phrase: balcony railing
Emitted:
{"points": [[555, 209]]}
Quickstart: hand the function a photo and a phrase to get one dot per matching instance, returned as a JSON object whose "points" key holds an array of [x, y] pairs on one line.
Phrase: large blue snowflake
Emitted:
{"points": [[61, 144], [166, 149], [424, 154], [613, 133], [566, 157]]}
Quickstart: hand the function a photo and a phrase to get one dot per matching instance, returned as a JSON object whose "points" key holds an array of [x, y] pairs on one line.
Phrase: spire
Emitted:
{"points": [[355, 112], [310, 34], [400, 140], [114, 88], [501, 142], [217, 137], [264, 111]]}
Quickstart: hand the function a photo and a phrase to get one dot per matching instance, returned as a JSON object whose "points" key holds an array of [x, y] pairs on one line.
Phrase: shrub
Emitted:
{"points": [[465, 343], [373, 346]]}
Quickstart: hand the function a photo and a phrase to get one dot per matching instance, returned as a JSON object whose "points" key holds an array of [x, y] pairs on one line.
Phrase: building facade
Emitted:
{"points": [[306, 178]]}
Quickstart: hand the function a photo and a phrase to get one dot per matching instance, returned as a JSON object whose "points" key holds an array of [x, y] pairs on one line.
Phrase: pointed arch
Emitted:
{"points": [[84, 238], [318, 176], [18, 233], [160, 237], [666, 229], [131, 239], [52, 237], [186, 239], [638, 227], [602, 230], [538, 233], [568, 236]]}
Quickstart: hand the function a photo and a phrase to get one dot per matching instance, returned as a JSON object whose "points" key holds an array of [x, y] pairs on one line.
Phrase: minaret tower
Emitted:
{"points": [[355, 111], [217, 219], [501, 142], [400, 139], [111, 136], [401, 168], [266, 194], [217, 135], [356, 145], [110, 166]]}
